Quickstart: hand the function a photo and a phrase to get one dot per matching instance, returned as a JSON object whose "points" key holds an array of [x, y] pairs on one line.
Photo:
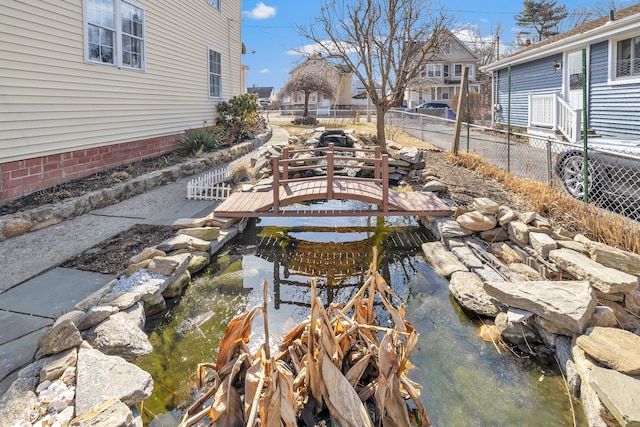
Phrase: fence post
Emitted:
{"points": [[377, 173], [455, 144], [422, 127], [276, 183], [385, 183], [285, 163], [330, 171], [549, 164]]}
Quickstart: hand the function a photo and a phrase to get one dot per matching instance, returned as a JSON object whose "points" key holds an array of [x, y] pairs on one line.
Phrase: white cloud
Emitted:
{"points": [[261, 11], [265, 71]]}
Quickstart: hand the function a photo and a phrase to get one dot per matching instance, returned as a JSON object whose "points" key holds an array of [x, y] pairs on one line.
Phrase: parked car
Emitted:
{"points": [[438, 107], [613, 174], [431, 105]]}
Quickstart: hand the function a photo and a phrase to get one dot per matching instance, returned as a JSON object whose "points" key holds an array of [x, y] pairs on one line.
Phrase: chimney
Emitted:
{"points": [[612, 15]]}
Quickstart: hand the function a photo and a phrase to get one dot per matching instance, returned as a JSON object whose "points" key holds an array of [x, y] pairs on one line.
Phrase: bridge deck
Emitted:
{"points": [[260, 204]]}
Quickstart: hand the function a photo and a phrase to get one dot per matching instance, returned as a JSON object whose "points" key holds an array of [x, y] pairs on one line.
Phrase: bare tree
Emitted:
{"points": [[306, 83], [582, 14], [384, 42]]}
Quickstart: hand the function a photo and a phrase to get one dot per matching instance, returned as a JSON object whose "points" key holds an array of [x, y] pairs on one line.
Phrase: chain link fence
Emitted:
{"points": [[613, 165]]}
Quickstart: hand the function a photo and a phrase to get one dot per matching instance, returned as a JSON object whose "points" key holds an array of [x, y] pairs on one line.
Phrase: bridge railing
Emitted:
{"points": [[288, 164]]}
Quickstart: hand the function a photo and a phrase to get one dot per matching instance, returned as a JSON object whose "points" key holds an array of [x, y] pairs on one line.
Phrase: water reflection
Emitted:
{"points": [[466, 383]]}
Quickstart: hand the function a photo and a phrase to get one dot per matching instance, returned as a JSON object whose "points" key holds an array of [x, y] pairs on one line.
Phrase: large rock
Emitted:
{"points": [[110, 413], [62, 336], [504, 252], [609, 256], [183, 241], [95, 315], [102, 377], [441, 260], [542, 243], [620, 394], [514, 329], [518, 233], [15, 227], [467, 288], [569, 304], [497, 234], [485, 206], [54, 366], [595, 412], [119, 335], [19, 402], [204, 233], [477, 221], [604, 279], [146, 254], [615, 348], [505, 215], [448, 229], [466, 255]]}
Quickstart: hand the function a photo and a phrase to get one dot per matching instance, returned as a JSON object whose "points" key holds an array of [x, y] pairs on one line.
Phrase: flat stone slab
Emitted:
{"points": [[18, 353], [616, 348], [620, 394], [569, 304], [441, 260], [53, 293], [16, 325], [184, 209], [604, 279]]}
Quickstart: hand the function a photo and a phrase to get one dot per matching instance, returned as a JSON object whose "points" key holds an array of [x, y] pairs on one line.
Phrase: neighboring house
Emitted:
{"points": [[440, 76], [546, 85], [86, 85], [339, 77], [266, 95]]}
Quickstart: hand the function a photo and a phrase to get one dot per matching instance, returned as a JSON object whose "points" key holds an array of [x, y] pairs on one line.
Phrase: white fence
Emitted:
{"points": [[213, 185]]}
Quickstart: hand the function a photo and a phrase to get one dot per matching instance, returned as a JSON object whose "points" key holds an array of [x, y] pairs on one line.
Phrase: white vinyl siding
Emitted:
{"points": [[53, 101]]}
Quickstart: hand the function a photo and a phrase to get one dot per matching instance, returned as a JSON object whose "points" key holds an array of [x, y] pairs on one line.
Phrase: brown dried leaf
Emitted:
{"points": [[226, 409], [389, 401], [341, 399], [355, 373], [238, 330]]}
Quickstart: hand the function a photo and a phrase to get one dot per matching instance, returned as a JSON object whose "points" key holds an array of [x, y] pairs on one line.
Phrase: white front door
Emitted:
{"points": [[573, 83]]}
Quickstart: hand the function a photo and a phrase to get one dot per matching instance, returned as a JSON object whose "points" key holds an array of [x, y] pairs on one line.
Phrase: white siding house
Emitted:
{"points": [[86, 85]]}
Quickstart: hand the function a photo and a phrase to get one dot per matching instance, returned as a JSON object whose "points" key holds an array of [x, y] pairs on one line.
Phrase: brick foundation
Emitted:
{"points": [[27, 176]]}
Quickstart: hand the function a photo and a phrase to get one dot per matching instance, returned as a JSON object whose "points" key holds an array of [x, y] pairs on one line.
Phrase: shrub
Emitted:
{"points": [[203, 139], [239, 116], [305, 121]]}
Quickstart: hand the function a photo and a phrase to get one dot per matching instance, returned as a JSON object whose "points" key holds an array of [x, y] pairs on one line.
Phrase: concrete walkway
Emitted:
{"points": [[34, 290]]}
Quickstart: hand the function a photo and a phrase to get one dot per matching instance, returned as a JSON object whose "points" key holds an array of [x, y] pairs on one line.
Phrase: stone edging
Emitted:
{"points": [[13, 225]]}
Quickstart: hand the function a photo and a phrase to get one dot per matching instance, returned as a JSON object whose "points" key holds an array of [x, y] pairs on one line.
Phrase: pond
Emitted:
{"points": [[466, 382]]}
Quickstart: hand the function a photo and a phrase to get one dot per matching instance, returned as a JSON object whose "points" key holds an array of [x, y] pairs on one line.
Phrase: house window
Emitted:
{"points": [[434, 70], [447, 48], [214, 3], [215, 74], [628, 57], [114, 33], [458, 68], [445, 72]]}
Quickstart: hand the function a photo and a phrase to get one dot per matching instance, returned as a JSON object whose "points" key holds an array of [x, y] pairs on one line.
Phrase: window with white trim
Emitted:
{"points": [[627, 61], [447, 48], [214, 3], [114, 33], [458, 68], [215, 74], [434, 70]]}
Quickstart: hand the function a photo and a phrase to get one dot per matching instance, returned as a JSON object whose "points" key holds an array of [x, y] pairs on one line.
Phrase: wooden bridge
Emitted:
{"points": [[303, 175]]}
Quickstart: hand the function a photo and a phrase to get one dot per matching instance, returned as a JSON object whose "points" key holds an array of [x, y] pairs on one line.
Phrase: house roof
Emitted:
{"points": [[599, 29], [263, 92]]}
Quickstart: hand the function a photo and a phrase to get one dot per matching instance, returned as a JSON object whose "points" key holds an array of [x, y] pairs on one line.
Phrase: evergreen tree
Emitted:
{"points": [[543, 17]]}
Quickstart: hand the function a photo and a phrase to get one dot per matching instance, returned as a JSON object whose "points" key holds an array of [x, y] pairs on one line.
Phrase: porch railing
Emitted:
{"points": [[552, 111]]}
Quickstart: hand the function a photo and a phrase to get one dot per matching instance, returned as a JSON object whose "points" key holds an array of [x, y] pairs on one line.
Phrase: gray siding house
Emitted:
{"points": [[545, 85]]}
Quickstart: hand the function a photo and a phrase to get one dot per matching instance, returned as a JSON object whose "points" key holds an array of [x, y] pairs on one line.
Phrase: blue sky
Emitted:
{"points": [[268, 28]]}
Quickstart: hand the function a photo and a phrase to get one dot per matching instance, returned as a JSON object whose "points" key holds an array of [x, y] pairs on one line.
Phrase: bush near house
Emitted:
{"points": [[238, 117]]}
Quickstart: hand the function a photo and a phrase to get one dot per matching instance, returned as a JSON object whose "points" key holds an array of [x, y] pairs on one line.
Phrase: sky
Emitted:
{"points": [[270, 35]]}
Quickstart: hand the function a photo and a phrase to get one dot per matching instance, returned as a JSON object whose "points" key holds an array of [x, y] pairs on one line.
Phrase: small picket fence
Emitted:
{"points": [[213, 185]]}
